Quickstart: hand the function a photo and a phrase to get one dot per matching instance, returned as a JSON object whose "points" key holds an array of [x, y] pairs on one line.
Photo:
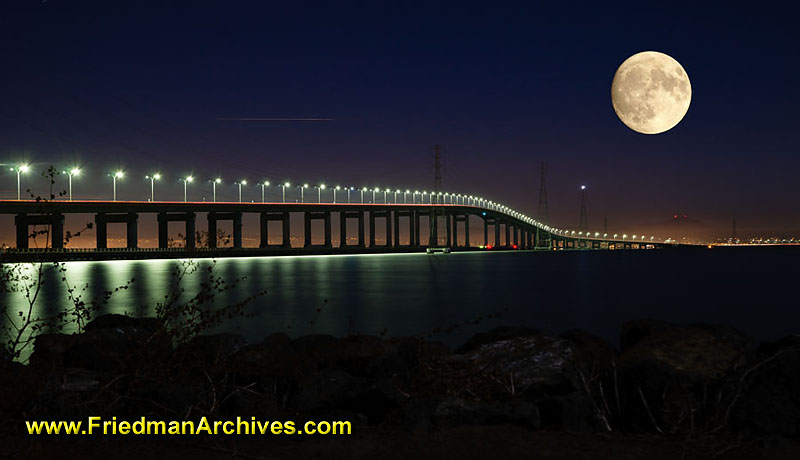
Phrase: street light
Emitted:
{"points": [[240, 183], [153, 178], [20, 169], [319, 188], [70, 173], [114, 177], [364, 189], [263, 186], [283, 190], [404, 195], [334, 193], [214, 183], [186, 180], [376, 189], [348, 194]]}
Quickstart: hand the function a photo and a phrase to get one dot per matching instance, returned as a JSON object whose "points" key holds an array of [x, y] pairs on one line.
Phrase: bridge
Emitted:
{"points": [[441, 216]]}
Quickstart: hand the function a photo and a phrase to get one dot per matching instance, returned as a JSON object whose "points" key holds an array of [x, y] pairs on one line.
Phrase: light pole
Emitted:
{"points": [[334, 193], [114, 177], [153, 178], [376, 189], [320, 188], [214, 183], [21, 169], [395, 196], [302, 192], [384, 195], [363, 189], [186, 180], [348, 194], [240, 183], [283, 190], [405, 194], [264, 185], [70, 173], [414, 197]]}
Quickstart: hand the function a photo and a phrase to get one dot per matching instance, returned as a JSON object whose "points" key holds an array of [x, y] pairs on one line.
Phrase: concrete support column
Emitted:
{"points": [[342, 229], [212, 230], [57, 231], [307, 229], [190, 230], [327, 221], [361, 229], [466, 230], [21, 222], [237, 230], [508, 234], [163, 234], [101, 230], [450, 237], [372, 229], [485, 232], [396, 219], [412, 238], [496, 233], [287, 243], [416, 228], [132, 230]]}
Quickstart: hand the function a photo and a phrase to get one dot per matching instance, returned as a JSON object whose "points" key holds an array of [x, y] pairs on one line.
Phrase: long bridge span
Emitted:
{"points": [[503, 228]]}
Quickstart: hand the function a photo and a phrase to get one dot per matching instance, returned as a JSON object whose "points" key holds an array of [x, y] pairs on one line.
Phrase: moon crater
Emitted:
{"points": [[651, 92]]}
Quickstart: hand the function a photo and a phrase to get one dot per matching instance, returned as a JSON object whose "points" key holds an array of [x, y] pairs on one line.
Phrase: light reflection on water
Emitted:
{"points": [[415, 293]]}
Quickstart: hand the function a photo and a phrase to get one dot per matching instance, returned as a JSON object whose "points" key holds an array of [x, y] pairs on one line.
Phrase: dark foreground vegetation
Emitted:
{"points": [[670, 391]]}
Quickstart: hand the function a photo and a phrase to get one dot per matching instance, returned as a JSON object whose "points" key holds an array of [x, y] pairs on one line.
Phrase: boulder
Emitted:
{"points": [[770, 395], [670, 378], [455, 412], [495, 335]]}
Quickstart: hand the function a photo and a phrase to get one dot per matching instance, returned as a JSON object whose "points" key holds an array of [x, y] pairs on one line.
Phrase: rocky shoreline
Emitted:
{"points": [[702, 389]]}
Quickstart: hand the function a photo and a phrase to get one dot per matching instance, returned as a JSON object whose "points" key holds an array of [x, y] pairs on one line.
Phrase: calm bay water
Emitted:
{"points": [[754, 289]]}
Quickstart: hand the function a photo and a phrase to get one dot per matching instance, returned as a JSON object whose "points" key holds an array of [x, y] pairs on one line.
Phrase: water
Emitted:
{"points": [[753, 289]]}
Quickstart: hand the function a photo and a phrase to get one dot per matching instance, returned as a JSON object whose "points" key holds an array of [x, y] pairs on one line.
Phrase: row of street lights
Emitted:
{"points": [[433, 197]]}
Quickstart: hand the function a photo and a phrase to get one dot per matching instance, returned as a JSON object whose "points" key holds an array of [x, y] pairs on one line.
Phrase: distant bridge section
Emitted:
{"points": [[509, 229]]}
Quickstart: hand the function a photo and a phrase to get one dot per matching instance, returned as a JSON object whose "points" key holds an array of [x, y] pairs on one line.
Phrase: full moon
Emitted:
{"points": [[651, 92]]}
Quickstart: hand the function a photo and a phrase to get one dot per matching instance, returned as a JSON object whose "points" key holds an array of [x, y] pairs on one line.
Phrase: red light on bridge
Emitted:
{"points": [[514, 246], [489, 246]]}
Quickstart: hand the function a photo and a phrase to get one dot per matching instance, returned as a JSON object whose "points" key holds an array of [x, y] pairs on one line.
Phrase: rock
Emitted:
{"points": [[455, 412], [110, 343], [636, 330], [672, 371], [113, 321], [593, 353], [540, 364], [770, 402], [211, 349], [495, 335]]}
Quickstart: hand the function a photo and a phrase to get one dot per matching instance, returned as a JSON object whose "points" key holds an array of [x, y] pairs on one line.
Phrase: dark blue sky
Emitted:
{"points": [[501, 85]]}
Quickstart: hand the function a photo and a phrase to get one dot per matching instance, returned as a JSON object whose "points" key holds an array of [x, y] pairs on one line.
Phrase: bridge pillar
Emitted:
{"points": [[326, 218], [237, 230], [54, 220], [382, 215], [163, 226], [101, 230], [131, 221], [416, 224], [466, 230], [496, 233], [508, 234], [485, 232], [22, 231], [212, 230], [132, 230], [57, 231], [190, 230], [163, 235], [265, 218], [449, 233]]}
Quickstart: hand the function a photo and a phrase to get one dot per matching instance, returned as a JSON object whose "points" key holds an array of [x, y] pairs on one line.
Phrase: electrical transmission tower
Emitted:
{"points": [[437, 187], [584, 222], [543, 211]]}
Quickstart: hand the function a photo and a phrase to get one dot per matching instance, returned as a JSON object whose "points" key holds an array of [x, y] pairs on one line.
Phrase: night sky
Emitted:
{"points": [[144, 87]]}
